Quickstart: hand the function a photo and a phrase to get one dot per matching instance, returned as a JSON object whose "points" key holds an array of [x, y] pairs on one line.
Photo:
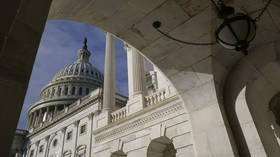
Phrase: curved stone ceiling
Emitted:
{"points": [[199, 73]]}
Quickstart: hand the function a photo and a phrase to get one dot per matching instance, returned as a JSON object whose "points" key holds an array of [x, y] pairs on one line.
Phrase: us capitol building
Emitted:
{"points": [[79, 114]]}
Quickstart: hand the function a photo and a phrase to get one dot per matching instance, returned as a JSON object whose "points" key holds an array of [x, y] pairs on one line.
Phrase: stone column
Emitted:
{"points": [[47, 138], [40, 117], [136, 80], [69, 90], [37, 147], [109, 74], [63, 130], [36, 118], [55, 110], [33, 119], [90, 117], [76, 124], [48, 114], [30, 120]]}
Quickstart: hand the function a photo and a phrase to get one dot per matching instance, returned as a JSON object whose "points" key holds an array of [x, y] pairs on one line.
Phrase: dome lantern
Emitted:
{"points": [[84, 54]]}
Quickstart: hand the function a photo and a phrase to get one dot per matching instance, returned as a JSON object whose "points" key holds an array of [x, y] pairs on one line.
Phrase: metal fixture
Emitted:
{"points": [[236, 31]]}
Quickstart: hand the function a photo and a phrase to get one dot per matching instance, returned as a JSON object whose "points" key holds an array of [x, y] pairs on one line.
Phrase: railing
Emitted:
{"points": [[118, 114], [156, 97]]}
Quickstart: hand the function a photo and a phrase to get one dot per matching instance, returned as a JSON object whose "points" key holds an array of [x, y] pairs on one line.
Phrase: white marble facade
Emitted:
{"points": [[93, 121]]}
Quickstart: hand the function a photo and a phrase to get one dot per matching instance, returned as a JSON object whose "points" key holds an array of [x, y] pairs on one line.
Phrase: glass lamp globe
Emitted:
{"points": [[236, 32]]}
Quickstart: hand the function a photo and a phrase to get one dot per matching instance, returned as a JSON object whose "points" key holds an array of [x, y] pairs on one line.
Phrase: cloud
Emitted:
{"points": [[58, 47]]}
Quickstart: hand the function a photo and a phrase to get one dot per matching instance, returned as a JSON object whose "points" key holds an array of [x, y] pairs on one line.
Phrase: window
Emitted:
{"points": [[81, 151], [41, 148], [53, 91], [59, 91], [69, 135], [83, 129], [87, 90], [48, 94], [73, 90], [54, 143], [66, 91], [80, 91], [32, 153]]}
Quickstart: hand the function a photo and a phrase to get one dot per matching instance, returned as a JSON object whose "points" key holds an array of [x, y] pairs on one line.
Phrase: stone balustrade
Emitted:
{"points": [[118, 114], [156, 97]]}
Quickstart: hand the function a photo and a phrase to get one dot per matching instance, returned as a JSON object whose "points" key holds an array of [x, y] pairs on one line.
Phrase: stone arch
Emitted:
{"points": [[81, 150], [259, 94], [67, 153], [248, 127], [119, 153], [161, 147], [140, 35], [249, 73], [54, 145]]}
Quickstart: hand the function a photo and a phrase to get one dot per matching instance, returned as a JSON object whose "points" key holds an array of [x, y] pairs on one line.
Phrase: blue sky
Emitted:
{"points": [[58, 48]]}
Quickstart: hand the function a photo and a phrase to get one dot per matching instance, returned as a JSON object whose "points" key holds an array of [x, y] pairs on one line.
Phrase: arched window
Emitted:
{"points": [[119, 153], [73, 90], [53, 91], [80, 91], [163, 142], [81, 151], [59, 91], [48, 94], [67, 153], [87, 90], [66, 91]]}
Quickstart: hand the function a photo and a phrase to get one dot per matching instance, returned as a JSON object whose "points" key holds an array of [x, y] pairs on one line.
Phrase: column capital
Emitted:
{"points": [[76, 123], [63, 129], [37, 143], [90, 115], [127, 47]]}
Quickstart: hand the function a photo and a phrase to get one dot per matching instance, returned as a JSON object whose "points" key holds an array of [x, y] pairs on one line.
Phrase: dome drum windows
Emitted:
{"points": [[80, 91], [65, 90], [53, 91], [59, 91], [73, 90]]}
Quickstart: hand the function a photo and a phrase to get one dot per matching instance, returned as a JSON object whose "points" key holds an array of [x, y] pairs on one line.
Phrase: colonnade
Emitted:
{"points": [[136, 74], [136, 85], [38, 117], [66, 90]]}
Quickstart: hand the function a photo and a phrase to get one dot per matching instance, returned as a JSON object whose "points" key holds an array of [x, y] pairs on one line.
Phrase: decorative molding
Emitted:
{"points": [[139, 122], [76, 123]]}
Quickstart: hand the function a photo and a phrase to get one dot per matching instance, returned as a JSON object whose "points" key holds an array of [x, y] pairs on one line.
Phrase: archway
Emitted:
{"points": [[132, 23], [161, 147], [248, 127], [118, 154], [258, 77]]}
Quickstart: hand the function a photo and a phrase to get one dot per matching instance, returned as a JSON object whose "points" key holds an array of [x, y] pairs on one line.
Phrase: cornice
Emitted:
{"points": [[102, 134]]}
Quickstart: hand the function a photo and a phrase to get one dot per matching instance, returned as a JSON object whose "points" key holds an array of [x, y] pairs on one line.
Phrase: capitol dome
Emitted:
{"points": [[70, 83]]}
